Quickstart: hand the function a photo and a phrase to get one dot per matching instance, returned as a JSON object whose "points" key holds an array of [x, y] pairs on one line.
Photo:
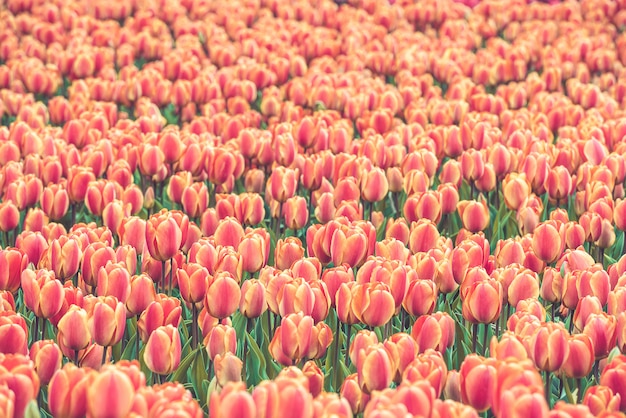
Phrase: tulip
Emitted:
{"points": [[429, 366], [549, 347], [163, 311], [223, 295], [351, 391], [65, 254], [107, 321], [295, 212], [229, 232], [193, 281], [601, 330], [613, 377], [142, 294], [227, 368], [478, 379], [9, 216], [292, 339], [474, 215], [374, 185], [580, 357], [435, 331], [420, 297], [111, 393], [43, 293], [163, 350], [600, 399], [67, 392], [232, 401], [114, 280], [254, 249], [287, 252], [74, 333], [373, 303], [220, 340], [12, 263], [253, 300], [14, 333], [374, 369], [7, 401], [163, 236], [483, 302], [47, 358]]}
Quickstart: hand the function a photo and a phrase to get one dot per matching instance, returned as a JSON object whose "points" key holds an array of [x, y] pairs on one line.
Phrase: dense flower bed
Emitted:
{"points": [[312, 208]]}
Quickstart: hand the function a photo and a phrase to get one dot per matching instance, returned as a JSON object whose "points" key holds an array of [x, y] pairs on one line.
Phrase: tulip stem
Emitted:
{"points": [[474, 336], [579, 389], [162, 276], [596, 371], [549, 389], [137, 339], [43, 328], [36, 329], [485, 339], [104, 356], [76, 357], [337, 348], [244, 357], [171, 288], [347, 352], [194, 327]]}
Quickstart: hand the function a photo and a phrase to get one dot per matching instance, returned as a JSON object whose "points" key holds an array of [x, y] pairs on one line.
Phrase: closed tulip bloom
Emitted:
{"points": [[424, 236], [601, 328], [253, 302], [163, 311], [614, 377], [43, 293], [287, 252], [295, 295], [55, 201], [13, 333], [193, 280], [435, 331], [374, 185], [110, 394], [580, 356], [361, 341], [283, 183], [547, 242], [9, 216], [428, 366], [47, 359], [95, 255], [73, 328], [220, 340], [195, 199], [232, 401], [587, 306], [351, 391], [374, 369], [7, 401], [254, 249], [474, 215], [292, 339], [373, 303], [132, 232], [549, 346], [12, 263], [478, 380], [163, 350], [483, 302], [114, 280], [223, 295], [515, 188], [229, 232], [295, 212], [420, 297], [141, 294], [510, 346], [67, 392], [348, 246], [227, 368], [32, 244], [600, 399], [107, 321], [163, 236], [65, 254]]}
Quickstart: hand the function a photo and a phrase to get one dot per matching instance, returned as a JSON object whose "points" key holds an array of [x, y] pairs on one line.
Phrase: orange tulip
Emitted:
{"points": [[163, 350], [67, 392], [65, 254], [220, 340], [601, 398], [580, 357], [110, 393], [233, 400], [549, 347], [295, 212], [613, 376], [374, 369], [435, 331], [373, 303], [74, 333], [227, 368], [474, 215], [12, 263], [43, 293], [46, 357], [107, 321], [601, 328], [223, 295], [163, 236], [163, 311], [478, 380], [483, 302], [374, 185]]}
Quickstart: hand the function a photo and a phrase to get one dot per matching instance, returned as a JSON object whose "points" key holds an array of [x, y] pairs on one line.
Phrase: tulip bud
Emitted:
{"points": [[163, 350]]}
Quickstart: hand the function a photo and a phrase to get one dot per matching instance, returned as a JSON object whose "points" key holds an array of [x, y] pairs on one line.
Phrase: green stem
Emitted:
{"points": [[347, 352], [194, 326], [104, 356], [549, 389], [474, 337], [336, 359]]}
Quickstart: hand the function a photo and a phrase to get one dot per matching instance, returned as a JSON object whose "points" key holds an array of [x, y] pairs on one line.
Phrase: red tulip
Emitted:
{"points": [[163, 350]]}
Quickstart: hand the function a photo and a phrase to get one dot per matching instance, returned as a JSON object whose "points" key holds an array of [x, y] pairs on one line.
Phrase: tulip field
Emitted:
{"points": [[312, 208]]}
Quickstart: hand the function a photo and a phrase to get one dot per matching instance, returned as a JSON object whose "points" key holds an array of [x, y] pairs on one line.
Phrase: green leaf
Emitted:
{"points": [[32, 410], [199, 375], [129, 350], [180, 375], [258, 371]]}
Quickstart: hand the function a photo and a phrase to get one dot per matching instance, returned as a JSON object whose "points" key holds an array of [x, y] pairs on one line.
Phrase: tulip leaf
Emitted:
{"points": [[129, 350], [257, 359], [32, 410], [180, 375], [199, 374]]}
